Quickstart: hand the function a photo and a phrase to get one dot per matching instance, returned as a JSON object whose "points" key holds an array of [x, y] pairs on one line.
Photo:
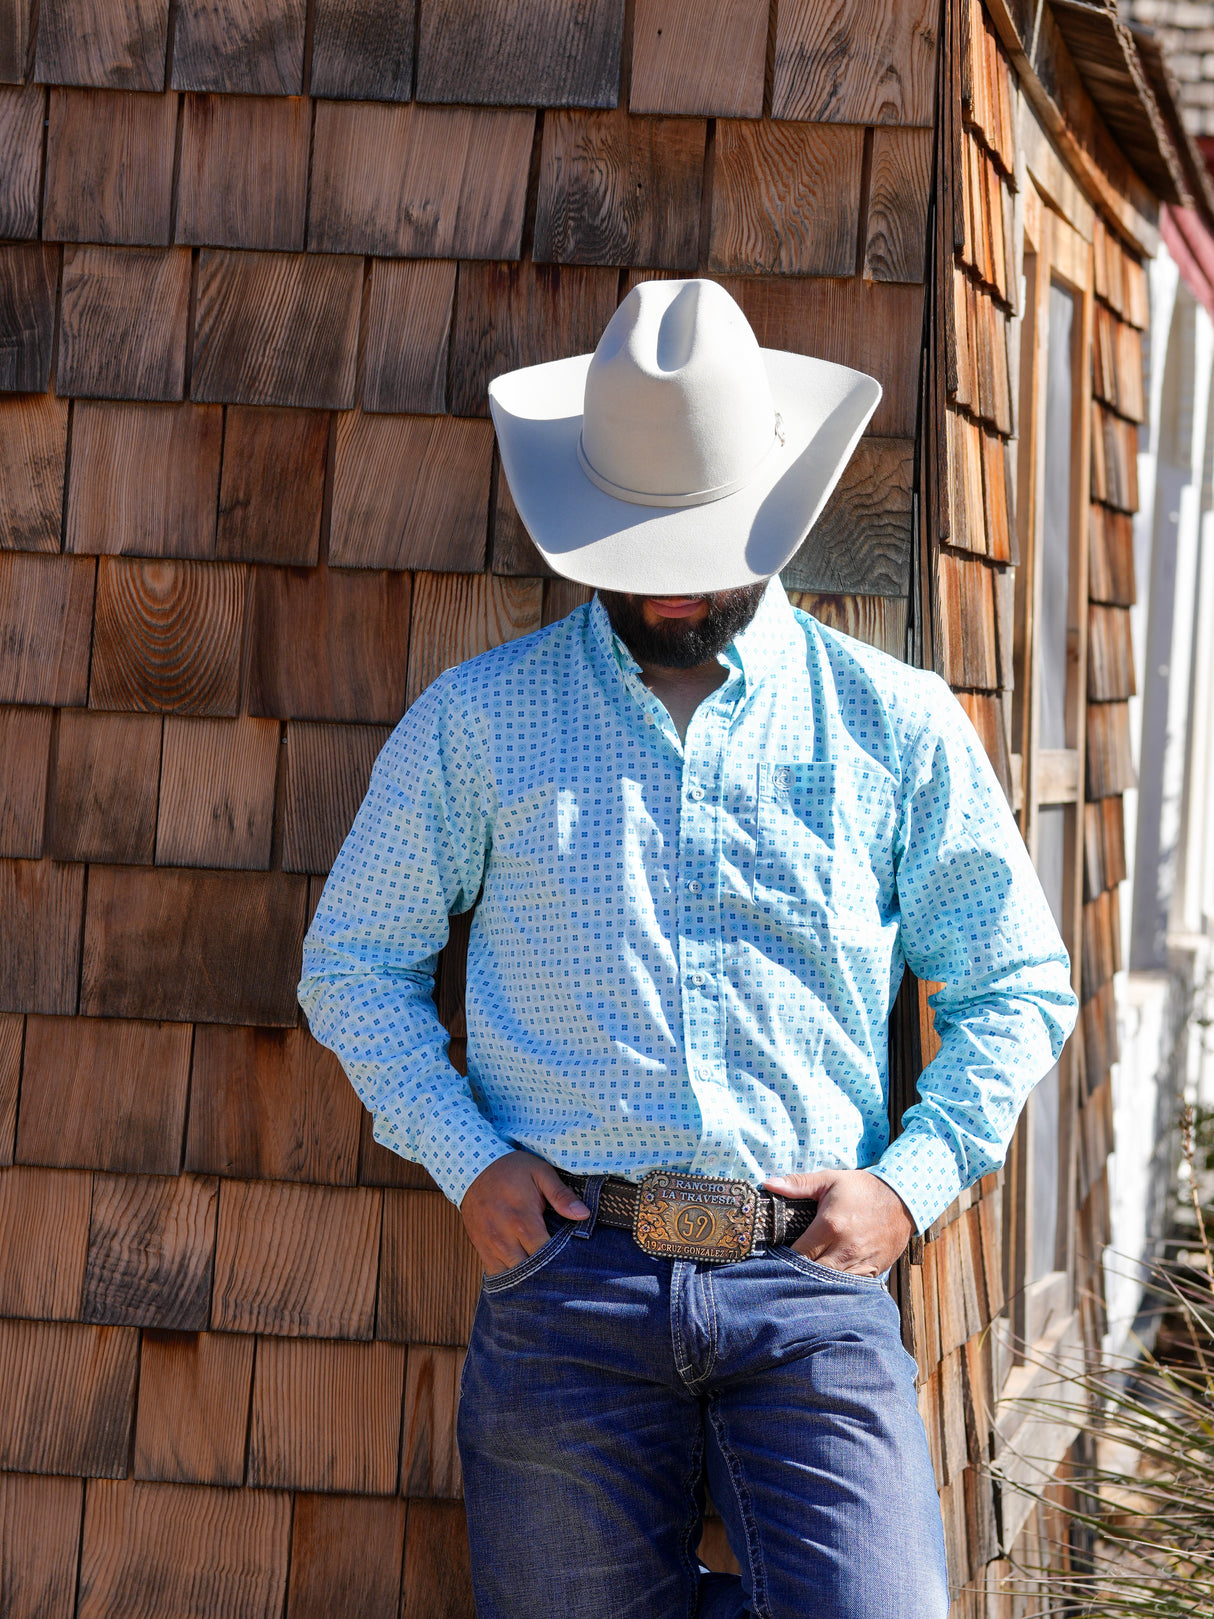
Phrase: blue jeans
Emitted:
{"points": [[603, 1389]]}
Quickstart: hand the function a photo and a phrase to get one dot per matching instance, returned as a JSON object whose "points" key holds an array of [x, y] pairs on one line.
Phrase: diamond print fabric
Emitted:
{"points": [[685, 956]]}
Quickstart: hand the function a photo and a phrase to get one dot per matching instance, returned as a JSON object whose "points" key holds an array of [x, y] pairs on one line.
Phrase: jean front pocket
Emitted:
{"points": [[826, 1273], [504, 1280]]}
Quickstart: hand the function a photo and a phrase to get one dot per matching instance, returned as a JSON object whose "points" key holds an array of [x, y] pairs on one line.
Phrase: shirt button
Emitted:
{"points": [[695, 886], [699, 979], [783, 779], [695, 793]]}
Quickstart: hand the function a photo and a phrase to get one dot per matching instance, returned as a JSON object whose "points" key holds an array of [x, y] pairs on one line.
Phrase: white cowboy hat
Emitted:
{"points": [[679, 458]]}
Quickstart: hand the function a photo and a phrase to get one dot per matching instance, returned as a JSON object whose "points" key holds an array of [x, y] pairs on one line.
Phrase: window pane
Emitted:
{"points": [[1043, 1112], [1056, 522]]}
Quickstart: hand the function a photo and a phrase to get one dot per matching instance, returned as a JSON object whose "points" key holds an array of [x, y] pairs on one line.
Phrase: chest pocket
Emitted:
{"points": [[824, 850], [525, 861]]}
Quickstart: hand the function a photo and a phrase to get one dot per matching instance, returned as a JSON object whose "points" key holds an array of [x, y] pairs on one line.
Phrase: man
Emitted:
{"points": [[703, 835]]}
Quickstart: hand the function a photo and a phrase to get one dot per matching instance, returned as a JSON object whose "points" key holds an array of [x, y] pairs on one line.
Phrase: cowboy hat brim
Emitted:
{"points": [[590, 536]]}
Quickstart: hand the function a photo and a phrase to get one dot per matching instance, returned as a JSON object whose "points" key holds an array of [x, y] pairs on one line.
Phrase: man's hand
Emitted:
{"points": [[861, 1224], [503, 1209]]}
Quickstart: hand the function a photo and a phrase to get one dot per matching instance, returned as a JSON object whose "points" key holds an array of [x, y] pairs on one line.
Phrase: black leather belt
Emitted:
{"points": [[701, 1217]]}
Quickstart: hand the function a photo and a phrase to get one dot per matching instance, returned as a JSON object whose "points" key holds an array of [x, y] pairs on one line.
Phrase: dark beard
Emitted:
{"points": [[679, 643]]}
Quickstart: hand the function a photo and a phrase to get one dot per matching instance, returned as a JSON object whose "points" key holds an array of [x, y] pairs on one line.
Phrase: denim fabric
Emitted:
{"points": [[603, 1389]]}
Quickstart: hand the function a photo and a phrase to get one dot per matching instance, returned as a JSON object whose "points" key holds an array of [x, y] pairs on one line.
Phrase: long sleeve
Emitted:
{"points": [[975, 919], [415, 854]]}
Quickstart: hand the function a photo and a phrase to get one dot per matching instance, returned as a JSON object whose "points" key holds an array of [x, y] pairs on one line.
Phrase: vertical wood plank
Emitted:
{"points": [[419, 182], [119, 43], [430, 1274], [144, 479], [410, 491], [270, 1104], [272, 485], [12, 1030], [167, 636], [520, 52], [874, 326], [329, 645], [244, 171], [69, 1397], [236, 939], [509, 315], [694, 60], [21, 112], [346, 1555], [785, 198], [151, 1248], [123, 322], [620, 190], [107, 767], [362, 50], [44, 1221], [456, 616], [328, 772], [900, 182], [408, 334], [14, 41], [39, 1545], [25, 744], [102, 1094], [296, 1260], [276, 328], [437, 1580], [861, 542], [28, 271], [430, 1464], [40, 907], [46, 613], [109, 167], [245, 47], [187, 1550], [326, 1416], [217, 793], [194, 1391], [33, 450], [855, 62]]}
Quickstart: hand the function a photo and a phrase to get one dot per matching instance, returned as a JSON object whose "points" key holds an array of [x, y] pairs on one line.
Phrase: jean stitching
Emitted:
{"points": [[711, 1297], [810, 1267], [695, 1519], [682, 1364], [519, 1273], [754, 1555]]}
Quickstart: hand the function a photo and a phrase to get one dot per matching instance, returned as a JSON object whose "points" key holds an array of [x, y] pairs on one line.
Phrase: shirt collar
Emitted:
{"points": [[764, 645]]}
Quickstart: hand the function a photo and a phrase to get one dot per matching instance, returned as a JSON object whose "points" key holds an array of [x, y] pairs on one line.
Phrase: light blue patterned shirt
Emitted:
{"points": [[685, 955]]}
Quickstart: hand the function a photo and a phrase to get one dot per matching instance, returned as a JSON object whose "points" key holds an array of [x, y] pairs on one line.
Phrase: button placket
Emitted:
{"points": [[700, 919]]}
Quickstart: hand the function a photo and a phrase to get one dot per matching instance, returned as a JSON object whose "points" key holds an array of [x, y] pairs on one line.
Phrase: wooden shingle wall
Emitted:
{"points": [[952, 1298], [257, 265], [969, 568], [1118, 406]]}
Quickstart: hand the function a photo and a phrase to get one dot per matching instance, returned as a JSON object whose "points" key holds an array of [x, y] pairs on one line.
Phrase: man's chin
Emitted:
{"points": [[682, 643]]}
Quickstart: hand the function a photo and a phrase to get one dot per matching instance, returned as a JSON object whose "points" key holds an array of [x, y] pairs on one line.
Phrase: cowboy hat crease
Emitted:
{"points": [[679, 457]]}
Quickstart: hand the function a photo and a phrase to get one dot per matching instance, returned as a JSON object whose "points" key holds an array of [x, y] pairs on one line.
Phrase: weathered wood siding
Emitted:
{"points": [[257, 264]]}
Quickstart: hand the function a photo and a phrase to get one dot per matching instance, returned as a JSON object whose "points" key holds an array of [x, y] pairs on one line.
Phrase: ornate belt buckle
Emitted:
{"points": [[695, 1217]]}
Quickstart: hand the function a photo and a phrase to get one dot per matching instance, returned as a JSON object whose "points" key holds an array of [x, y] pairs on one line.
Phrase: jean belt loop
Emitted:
{"points": [[590, 1197]]}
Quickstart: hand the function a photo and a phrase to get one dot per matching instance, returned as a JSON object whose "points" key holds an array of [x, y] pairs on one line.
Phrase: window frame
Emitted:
{"points": [[1054, 254]]}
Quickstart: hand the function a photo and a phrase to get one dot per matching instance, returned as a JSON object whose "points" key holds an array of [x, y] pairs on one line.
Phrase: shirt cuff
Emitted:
{"points": [[453, 1173], [922, 1169]]}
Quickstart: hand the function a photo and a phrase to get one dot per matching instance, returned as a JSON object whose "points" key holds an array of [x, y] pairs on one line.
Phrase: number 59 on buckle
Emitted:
{"points": [[696, 1217]]}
